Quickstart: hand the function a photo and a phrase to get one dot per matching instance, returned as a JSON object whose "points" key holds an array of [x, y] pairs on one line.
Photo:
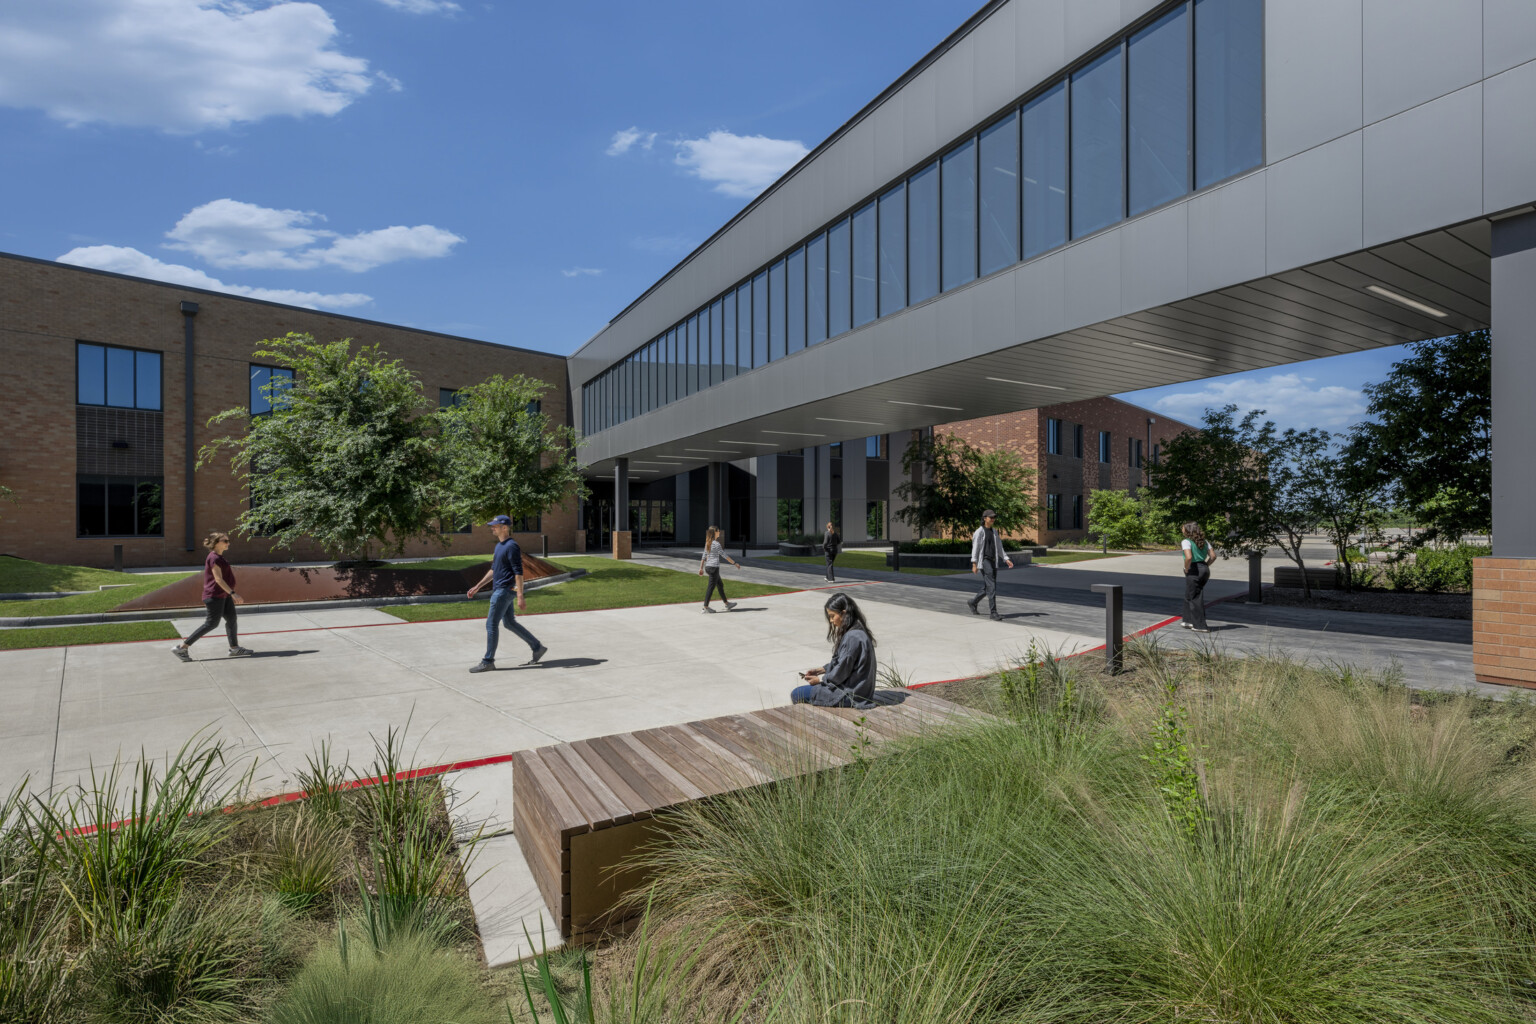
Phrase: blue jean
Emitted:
{"points": [[502, 612], [802, 694]]}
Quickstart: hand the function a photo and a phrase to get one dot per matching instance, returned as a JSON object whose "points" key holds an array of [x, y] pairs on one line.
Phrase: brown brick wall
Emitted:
{"points": [[46, 307], [1504, 620], [1025, 433]]}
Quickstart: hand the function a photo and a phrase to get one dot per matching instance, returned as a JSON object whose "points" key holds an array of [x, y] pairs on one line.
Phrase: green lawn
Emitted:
{"points": [[1075, 556], [874, 560], [20, 576], [70, 636], [100, 601], [608, 584], [449, 562]]}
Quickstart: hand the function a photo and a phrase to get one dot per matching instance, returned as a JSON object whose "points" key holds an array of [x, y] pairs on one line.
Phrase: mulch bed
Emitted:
{"points": [[1386, 602], [282, 584]]}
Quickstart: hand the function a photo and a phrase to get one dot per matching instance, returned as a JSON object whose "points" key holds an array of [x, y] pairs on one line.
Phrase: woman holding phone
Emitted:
{"points": [[848, 680]]}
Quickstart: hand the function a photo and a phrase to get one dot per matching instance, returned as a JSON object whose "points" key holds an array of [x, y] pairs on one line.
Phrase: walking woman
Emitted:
{"points": [[219, 598], [848, 680], [831, 546], [710, 564], [1197, 573]]}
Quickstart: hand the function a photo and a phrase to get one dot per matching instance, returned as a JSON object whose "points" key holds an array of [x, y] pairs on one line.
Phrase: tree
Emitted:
{"points": [[501, 455], [1345, 504], [1430, 439], [345, 456], [1116, 519], [958, 482]]}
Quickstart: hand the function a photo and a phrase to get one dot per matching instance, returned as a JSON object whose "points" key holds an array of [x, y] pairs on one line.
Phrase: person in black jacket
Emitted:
{"points": [[831, 546], [848, 680]]}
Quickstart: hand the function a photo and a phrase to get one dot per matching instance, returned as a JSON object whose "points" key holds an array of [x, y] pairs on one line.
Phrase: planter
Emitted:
{"points": [[1381, 602], [959, 563], [794, 549]]}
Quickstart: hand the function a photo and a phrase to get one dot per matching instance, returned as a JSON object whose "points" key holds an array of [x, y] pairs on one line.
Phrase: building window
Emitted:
{"points": [[1098, 145], [957, 188], [1077, 441], [923, 234], [119, 506], [1141, 454], [893, 250], [1157, 122], [1053, 511], [1157, 454], [466, 526], [865, 266], [1229, 88], [816, 290], [1077, 511], [1053, 436], [839, 290], [124, 378], [760, 320], [1045, 171], [778, 293], [796, 300], [999, 174], [875, 447], [528, 524], [267, 385], [1103, 446]]}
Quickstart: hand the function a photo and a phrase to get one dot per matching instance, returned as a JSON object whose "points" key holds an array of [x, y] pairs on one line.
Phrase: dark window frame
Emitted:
{"points": [[106, 347], [105, 480]]}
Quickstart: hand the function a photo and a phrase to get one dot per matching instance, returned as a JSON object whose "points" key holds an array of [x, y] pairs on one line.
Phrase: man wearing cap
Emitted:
{"points": [[506, 579], [987, 554]]}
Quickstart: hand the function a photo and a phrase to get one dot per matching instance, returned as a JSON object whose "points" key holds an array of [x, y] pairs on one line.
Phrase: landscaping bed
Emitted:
{"points": [[1385, 602]]}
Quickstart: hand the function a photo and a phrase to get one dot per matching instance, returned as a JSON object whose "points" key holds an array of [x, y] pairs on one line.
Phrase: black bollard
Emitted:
{"points": [[117, 558], [544, 545], [1114, 625], [896, 556], [1256, 577]]}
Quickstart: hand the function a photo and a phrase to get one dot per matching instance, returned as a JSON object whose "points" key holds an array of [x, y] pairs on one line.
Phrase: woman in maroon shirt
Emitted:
{"points": [[219, 598]]}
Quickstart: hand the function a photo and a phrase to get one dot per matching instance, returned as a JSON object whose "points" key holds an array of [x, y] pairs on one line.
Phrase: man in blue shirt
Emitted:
{"points": [[506, 579]]}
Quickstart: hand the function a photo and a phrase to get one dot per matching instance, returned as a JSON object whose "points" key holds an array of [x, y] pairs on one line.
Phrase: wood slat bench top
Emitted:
{"points": [[580, 808]]}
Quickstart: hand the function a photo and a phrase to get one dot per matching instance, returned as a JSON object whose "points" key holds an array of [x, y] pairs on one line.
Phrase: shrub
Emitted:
{"points": [[942, 546], [1436, 570], [409, 981], [34, 975], [302, 858]]}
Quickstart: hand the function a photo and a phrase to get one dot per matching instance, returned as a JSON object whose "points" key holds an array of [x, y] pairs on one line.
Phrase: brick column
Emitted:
{"points": [[1504, 620]]}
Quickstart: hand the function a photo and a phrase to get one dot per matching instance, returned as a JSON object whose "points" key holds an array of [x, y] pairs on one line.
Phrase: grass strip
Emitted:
{"points": [[451, 563], [1074, 556], [608, 584], [22, 576], [873, 561], [100, 601], [74, 636]]}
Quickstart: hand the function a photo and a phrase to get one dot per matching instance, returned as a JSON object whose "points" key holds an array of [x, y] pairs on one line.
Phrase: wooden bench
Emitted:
{"points": [[579, 810]]}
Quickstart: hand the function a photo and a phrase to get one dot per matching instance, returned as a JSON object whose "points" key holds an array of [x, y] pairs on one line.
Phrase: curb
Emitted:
{"points": [[166, 614]]}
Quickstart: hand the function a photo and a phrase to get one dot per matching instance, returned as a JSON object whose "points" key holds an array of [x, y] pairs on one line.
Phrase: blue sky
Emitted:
{"points": [[512, 173]]}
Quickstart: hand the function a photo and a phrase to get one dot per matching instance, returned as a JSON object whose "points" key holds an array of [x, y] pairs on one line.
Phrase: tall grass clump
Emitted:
{"points": [[34, 977], [1330, 851], [302, 857]]}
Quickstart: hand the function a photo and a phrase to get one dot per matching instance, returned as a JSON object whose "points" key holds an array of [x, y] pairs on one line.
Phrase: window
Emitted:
{"points": [[957, 187], [999, 176], [1053, 436], [875, 447], [125, 378], [839, 289], [692, 360], [1045, 171], [1138, 456], [777, 331], [796, 300], [760, 320], [923, 234], [1157, 454], [1103, 446], [1053, 511], [864, 269], [728, 336], [1077, 512], [1077, 441], [269, 382], [893, 250], [744, 328], [1157, 116], [816, 290], [118, 506], [1098, 145], [1229, 88], [527, 524], [716, 344]]}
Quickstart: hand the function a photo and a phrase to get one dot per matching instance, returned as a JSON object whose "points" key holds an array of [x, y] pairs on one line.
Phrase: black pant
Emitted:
{"points": [[988, 588], [831, 557], [218, 607], [713, 572], [1195, 579]]}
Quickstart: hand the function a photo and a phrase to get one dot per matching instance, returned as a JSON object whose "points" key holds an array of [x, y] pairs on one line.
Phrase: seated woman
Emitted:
{"points": [[848, 680]]}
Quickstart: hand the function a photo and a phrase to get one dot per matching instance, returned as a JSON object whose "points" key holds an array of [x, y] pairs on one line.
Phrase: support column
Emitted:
{"points": [[808, 513], [716, 500], [1504, 585], [621, 535], [682, 517], [823, 490], [765, 504], [855, 491]]}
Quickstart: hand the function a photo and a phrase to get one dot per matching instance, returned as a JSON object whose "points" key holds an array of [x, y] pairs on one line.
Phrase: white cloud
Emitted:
{"points": [[623, 140], [739, 165], [582, 272], [422, 6], [1289, 399], [177, 65], [229, 233], [125, 260]]}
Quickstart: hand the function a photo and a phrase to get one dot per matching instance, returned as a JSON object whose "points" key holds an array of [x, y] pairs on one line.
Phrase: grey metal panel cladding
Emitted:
{"points": [[1093, 279], [1509, 34], [1313, 205], [1040, 296], [1514, 415], [995, 67], [1154, 259], [1227, 234], [920, 116], [1509, 139], [1089, 23], [1412, 187], [957, 89], [1415, 50], [1040, 29], [1312, 73]]}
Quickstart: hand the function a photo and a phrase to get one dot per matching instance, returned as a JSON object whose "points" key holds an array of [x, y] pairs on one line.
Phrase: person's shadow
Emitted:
{"points": [[279, 654], [561, 663]]}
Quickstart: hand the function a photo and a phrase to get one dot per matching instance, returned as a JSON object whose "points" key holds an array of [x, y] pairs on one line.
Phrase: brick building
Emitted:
{"points": [[100, 418], [1075, 448]]}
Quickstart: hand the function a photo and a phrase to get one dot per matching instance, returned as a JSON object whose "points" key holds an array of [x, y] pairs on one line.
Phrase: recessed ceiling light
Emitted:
{"points": [[1388, 293], [927, 405], [794, 433], [864, 423], [1173, 351], [1026, 383], [717, 451], [755, 444]]}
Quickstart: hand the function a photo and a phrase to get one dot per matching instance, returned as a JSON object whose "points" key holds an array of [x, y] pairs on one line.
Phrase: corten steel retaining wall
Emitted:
{"points": [[45, 308]]}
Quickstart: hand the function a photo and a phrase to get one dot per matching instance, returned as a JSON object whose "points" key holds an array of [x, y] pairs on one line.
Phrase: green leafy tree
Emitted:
{"points": [[1347, 506], [501, 455], [1116, 519], [345, 457], [958, 482], [1429, 442]]}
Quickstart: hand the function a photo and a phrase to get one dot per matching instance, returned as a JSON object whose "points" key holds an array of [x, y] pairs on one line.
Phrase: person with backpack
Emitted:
{"points": [[987, 555], [219, 598], [848, 680], [709, 565], [831, 546], [1197, 573]]}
